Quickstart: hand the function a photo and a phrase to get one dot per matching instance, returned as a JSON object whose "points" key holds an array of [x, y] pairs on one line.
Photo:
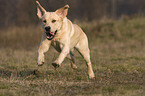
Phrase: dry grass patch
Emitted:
{"points": [[117, 53]]}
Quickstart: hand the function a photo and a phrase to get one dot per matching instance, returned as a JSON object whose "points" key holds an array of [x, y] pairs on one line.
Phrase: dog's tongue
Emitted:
{"points": [[50, 35]]}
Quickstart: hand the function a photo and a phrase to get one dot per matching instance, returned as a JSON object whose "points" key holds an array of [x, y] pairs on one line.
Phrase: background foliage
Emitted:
{"points": [[23, 12]]}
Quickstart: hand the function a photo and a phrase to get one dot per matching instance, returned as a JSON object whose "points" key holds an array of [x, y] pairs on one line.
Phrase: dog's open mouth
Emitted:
{"points": [[50, 35]]}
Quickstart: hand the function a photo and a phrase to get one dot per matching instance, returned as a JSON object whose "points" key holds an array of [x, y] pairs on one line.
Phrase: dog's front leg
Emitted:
{"points": [[44, 46], [61, 57]]}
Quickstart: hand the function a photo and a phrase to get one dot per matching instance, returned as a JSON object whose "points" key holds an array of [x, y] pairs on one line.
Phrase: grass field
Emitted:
{"points": [[117, 54]]}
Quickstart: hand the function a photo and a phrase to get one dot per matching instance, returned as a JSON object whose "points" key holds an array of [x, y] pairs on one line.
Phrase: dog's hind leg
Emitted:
{"points": [[83, 49], [73, 65]]}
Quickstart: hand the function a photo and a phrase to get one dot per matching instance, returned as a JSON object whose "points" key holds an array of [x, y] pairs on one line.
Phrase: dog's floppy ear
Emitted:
{"points": [[62, 12], [40, 10]]}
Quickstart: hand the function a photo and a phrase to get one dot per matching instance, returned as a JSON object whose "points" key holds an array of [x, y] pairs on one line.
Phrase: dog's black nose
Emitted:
{"points": [[48, 28]]}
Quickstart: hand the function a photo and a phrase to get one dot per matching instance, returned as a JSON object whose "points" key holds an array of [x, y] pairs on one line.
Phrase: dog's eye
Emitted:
{"points": [[44, 21], [53, 21]]}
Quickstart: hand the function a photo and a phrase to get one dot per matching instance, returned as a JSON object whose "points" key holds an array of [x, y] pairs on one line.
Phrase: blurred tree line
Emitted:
{"points": [[23, 12]]}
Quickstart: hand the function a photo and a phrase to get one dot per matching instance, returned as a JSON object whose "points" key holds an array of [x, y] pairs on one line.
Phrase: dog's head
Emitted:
{"points": [[51, 21]]}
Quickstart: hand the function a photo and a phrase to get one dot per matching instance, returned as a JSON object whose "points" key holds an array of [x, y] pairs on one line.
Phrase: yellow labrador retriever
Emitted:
{"points": [[63, 36]]}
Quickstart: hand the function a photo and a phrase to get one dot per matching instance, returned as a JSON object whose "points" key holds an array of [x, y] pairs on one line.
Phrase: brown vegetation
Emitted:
{"points": [[117, 53]]}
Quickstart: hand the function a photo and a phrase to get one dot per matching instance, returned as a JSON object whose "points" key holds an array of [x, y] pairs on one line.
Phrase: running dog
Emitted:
{"points": [[63, 36]]}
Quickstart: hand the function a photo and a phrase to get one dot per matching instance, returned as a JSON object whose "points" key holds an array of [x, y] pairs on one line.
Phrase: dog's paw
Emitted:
{"points": [[91, 76], [74, 66], [55, 65], [40, 64]]}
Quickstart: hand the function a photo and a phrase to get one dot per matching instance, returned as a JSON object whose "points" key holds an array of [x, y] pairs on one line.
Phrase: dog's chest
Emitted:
{"points": [[57, 45]]}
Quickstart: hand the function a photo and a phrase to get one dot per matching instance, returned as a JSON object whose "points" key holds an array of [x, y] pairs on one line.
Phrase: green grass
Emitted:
{"points": [[117, 54]]}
